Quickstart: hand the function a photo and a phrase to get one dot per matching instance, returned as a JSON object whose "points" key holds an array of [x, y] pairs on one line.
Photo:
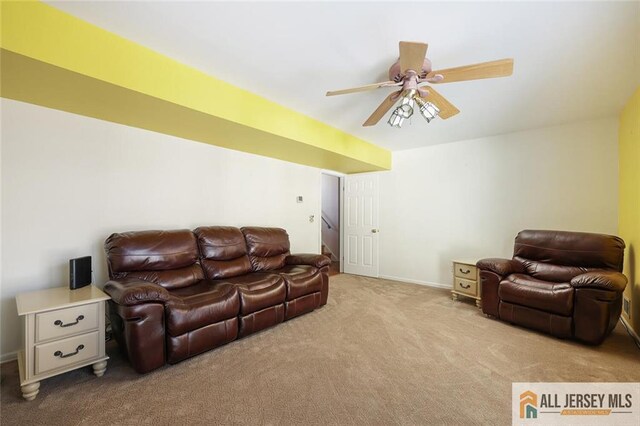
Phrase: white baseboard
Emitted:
{"points": [[412, 281], [11, 356], [631, 331]]}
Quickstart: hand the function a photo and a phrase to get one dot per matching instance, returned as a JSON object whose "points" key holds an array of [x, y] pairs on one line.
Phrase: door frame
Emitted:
{"points": [[340, 177]]}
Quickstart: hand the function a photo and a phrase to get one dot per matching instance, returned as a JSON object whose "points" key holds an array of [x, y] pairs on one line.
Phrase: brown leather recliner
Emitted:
{"points": [[567, 284], [175, 294]]}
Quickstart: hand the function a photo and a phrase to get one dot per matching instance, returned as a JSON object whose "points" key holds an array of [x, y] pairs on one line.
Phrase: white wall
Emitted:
{"points": [[469, 199], [69, 181], [331, 211]]}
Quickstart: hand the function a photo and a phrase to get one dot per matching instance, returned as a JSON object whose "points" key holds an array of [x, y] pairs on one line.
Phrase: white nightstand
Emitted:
{"points": [[466, 280], [63, 330]]}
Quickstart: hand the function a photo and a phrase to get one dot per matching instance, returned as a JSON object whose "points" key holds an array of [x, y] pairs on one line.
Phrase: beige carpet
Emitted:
{"points": [[380, 352]]}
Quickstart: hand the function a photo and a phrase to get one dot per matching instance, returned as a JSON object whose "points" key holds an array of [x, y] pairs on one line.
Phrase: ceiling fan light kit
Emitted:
{"points": [[395, 120], [428, 110], [412, 69], [403, 111], [407, 107]]}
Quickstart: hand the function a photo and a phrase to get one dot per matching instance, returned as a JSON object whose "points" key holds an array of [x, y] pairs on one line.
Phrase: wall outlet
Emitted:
{"points": [[299, 199]]}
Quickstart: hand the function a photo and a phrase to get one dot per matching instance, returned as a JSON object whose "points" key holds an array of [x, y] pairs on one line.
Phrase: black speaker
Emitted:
{"points": [[79, 272]]}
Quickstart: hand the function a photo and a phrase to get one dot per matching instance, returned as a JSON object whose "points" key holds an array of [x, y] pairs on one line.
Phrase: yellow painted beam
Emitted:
{"points": [[53, 59]]}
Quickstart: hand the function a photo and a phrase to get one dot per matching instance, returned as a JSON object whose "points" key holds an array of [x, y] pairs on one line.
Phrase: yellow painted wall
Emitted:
{"points": [[629, 204], [87, 70]]}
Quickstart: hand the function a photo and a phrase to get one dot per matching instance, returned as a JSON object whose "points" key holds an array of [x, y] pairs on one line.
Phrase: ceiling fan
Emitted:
{"points": [[412, 69]]}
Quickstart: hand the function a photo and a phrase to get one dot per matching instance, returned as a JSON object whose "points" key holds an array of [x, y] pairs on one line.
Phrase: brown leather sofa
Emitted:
{"points": [[175, 294], [567, 284]]}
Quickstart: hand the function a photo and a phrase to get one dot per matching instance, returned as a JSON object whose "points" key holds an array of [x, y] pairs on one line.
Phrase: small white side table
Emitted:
{"points": [[466, 281], [63, 330]]}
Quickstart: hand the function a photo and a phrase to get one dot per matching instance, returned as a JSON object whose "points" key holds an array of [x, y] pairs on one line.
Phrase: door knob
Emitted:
{"points": [[375, 231]]}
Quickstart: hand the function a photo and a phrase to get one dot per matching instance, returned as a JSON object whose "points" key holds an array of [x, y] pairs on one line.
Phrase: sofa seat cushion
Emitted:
{"points": [[201, 304], [258, 291], [300, 280], [524, 290]]}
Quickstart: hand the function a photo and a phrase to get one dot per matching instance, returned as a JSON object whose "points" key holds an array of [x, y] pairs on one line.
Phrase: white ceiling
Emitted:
{"points": [[573, 61]]}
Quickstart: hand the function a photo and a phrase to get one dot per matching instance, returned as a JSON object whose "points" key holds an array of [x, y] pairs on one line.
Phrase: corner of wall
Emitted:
{"points": [[629, 204]]}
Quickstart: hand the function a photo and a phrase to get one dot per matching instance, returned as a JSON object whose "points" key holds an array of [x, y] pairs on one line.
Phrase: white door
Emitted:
{"points": [[361, 224]]}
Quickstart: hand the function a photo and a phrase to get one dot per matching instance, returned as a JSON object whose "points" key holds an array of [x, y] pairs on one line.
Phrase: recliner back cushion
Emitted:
{"points": [[559, 255], [268, 247], [223, 250], [551, 272], [167, 258]]}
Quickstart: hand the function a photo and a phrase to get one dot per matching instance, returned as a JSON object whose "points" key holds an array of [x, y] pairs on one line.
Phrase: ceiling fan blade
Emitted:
{"points": [[364, 88], [446, 108], [499, 68], [384, 107], [412, 56]]}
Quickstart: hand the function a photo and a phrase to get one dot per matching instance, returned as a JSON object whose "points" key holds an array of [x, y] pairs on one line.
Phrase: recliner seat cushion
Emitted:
{"points": [[258, 291], [301, 280], [199, 305], [523, 290], [223, 250]]}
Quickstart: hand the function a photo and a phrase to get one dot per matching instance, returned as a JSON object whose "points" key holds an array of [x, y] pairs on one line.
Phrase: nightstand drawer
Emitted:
{"points": [[61, 353], [66, 322], [465, 286], [464, 271]]}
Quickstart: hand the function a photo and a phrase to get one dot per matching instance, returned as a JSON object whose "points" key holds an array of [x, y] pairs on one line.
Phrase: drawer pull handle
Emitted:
{"points": [[464, 286], [58, 322], [61, 355], [464, 272]]}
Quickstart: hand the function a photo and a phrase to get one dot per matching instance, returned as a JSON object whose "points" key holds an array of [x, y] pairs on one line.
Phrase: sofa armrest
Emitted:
{"points": [[604, 280], [130, 292], [502, 267], [317, 260]]}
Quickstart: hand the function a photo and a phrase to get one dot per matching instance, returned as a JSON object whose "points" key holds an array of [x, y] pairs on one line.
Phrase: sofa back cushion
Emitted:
{"points": [[223, 251], [560, 255], [268, 247], [167, 258]]}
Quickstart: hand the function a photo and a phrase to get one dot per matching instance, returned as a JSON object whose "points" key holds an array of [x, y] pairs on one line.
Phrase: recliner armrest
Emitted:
{"points": [[317, 260], [502, 267], [130, 292], [605, 280]]}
